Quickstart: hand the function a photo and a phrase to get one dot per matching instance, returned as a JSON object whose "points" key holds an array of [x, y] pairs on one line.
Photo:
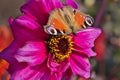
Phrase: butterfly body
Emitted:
{"points": [[67, 20]]}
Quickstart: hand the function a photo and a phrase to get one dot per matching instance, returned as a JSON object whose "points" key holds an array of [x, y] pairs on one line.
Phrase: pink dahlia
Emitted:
{"points": [[36, 55]]}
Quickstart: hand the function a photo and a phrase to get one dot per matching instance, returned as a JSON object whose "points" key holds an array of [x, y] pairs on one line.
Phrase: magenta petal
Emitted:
{"points": [[25, 28], [79, 65], [53, 76], [86, 37], [39, 9], [24, 74], [51, 64], [57, 67], [67, 74], [88, 52], [33, 53], [8, 53], [72, 3], [30, 73]]}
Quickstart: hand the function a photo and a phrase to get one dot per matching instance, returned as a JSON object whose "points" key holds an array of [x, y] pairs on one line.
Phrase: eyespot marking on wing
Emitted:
{"points": [[89, 20], [51, 30]]}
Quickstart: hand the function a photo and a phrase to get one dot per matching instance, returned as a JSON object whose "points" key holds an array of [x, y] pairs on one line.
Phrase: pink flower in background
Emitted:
{"points": [[35, 55]]}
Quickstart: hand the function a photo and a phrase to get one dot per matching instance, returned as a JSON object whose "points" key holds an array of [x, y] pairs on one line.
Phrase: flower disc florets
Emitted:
{"points": [[60, 46]]}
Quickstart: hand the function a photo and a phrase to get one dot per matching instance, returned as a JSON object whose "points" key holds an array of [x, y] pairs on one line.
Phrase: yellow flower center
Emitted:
{"points": [[60, 46]]}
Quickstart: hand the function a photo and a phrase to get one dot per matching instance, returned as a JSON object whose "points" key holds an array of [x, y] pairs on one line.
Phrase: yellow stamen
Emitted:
{"points": [[60, 46]]}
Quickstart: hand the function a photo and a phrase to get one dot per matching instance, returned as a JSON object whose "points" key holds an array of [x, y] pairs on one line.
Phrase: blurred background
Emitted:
{"points": [[106, 65]]}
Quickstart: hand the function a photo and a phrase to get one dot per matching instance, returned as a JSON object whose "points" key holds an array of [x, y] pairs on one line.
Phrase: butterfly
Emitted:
{"points": [[67, 20]]}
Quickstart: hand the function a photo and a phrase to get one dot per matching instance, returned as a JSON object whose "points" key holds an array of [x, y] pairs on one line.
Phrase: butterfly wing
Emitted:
{"points": [[67, 20], [57, 21]]}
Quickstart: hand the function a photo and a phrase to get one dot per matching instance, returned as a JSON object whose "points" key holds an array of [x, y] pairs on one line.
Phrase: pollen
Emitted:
{"points": [[60, 46]]}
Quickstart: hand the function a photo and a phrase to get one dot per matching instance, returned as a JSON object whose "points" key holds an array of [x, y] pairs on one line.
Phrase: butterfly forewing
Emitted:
{"points": [[66, 20]]}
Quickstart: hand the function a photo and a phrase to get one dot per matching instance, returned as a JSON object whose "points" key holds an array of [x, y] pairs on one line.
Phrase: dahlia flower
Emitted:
{"points": [[36, 55]]}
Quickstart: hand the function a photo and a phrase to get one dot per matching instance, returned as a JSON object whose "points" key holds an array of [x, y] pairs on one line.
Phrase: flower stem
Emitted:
{"points": [[100, 12]]}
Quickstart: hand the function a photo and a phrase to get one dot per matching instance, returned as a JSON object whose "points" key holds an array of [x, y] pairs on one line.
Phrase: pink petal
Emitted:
{"points": [[33, 53], [72, 3], [57, 66], [25, 28], [86, 37], [51, 64], [30, 73], [8, 53], [53, 76], [39, 9], [88, 52], [79, 65], [67, 74]]}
